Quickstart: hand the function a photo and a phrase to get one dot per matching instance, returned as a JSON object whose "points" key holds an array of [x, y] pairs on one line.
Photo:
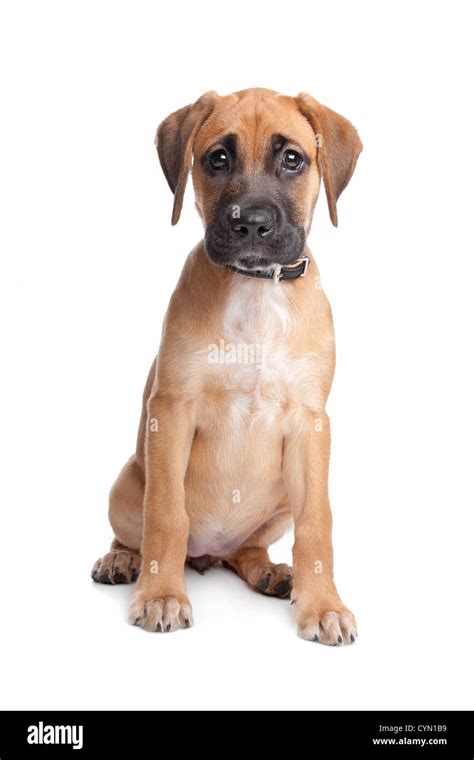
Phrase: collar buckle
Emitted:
{"points": [[303, 260], [306, 265]]}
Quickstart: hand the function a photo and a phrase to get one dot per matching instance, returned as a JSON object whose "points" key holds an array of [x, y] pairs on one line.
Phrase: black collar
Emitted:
{"points": [[278, 272]]}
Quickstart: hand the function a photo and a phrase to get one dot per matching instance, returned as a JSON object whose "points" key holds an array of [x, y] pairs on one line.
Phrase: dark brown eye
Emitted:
{"points": [[292, 160], [219, 160]]}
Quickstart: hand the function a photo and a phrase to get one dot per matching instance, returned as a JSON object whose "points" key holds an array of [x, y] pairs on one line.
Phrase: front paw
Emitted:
{"points": [[329, 623], [160, 613]]}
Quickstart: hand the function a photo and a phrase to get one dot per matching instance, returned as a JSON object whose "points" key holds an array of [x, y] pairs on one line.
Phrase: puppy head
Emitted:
{"points": [[257, 158]]}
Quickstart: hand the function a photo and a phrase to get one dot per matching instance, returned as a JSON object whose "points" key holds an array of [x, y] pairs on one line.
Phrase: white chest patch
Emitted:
{"points": [[256, 322], [251, 359], [251, 378], [256, 310]]}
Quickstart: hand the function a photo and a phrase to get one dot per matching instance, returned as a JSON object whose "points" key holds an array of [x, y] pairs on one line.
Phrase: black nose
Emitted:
{"points": [[254, 224]]}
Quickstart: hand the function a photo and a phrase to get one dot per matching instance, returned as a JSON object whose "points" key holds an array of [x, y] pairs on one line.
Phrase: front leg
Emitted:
{"points": [[160, 602], [320, 613]]}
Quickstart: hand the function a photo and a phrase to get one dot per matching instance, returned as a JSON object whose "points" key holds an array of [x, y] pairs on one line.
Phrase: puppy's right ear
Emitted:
{"points": [[174, 143]]}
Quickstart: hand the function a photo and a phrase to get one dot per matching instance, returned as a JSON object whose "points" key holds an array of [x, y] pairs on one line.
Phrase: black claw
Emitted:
{"points": [[186, 622], [104, 578], [339, 638], [293, 601], [158, 627], [352, 637], [134, 576], [168, 628], [315, 637], [120, 578], [137, 621]]}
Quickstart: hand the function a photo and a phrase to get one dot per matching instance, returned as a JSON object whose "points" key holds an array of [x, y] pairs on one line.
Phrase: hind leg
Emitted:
{"points": [[122, 564], [252, 562]]}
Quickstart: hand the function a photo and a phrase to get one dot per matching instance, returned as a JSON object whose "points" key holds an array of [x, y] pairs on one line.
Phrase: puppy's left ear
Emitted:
{"points": [[174, 143], [339, 147]]}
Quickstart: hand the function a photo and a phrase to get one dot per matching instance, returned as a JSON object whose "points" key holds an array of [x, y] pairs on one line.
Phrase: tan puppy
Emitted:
{"points": [[234, 440]]}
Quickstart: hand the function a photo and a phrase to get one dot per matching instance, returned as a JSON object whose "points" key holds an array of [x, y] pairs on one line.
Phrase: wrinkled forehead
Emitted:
{"points": [[254, 120]]}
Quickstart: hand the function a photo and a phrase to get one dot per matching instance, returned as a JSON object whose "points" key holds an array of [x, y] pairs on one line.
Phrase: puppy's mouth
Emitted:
{"points": [[253, 260], [225, 250]]}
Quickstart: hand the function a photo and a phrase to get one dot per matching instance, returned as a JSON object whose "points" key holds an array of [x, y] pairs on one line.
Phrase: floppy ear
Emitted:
{"points": [[174, 143], [338, 147]]}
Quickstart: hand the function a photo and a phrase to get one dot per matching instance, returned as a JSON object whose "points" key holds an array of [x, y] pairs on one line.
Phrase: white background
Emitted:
{"points": [[89, 260]]}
